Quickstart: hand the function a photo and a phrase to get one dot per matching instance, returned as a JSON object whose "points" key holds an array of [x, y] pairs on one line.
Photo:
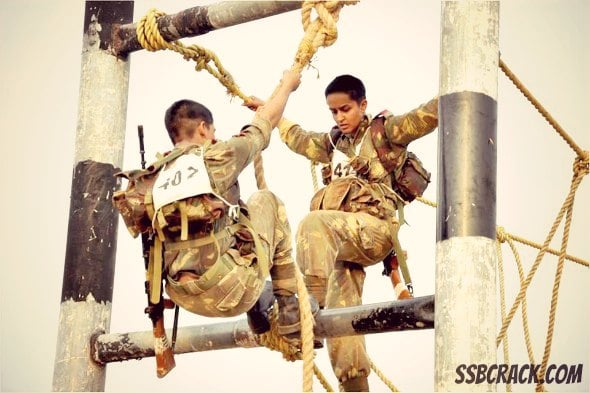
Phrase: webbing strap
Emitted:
{"points": [[244, 223], [155, 271], [400, 211], [183, 220], [263, 258], [202, 241], [215, 273], [401, 258]]}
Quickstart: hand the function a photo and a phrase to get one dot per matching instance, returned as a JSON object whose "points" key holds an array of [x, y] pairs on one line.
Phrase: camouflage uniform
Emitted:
{"points": [[352, 220], [225, 277]]}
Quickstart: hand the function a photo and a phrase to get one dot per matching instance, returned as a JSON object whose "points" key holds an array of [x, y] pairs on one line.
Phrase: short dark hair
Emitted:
{"points": [[181, 116], [348, 84]]}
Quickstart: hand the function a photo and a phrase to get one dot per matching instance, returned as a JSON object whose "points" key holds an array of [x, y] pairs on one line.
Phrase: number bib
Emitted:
{"points": [[341, 165], [183, 178]]}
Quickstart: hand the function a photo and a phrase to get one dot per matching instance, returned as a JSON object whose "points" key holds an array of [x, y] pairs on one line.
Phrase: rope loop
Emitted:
{"points": [[581, 165]]}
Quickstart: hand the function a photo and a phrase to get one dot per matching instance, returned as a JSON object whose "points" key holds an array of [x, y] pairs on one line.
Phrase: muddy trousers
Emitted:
{"points": [[333, 247], [239, 282], [269, 219]]}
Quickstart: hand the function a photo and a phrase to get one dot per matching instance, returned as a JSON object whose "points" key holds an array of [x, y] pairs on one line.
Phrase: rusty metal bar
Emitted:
{"points": [[410, 314], [201, 20]]}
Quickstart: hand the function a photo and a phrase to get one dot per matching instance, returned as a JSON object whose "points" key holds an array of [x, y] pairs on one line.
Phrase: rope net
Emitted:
{"points": [[580, 169]]}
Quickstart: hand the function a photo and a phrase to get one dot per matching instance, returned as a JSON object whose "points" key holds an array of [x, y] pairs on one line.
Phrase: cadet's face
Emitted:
{"points": [[347, 113]]}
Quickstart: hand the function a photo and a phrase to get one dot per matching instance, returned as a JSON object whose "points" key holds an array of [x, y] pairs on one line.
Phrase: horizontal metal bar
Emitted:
{"points": [[201, 20], [409, 314]]}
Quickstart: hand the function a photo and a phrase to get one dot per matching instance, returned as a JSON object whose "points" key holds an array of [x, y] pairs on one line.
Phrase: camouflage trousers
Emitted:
{"points": [[238, 281], [333, 247]]}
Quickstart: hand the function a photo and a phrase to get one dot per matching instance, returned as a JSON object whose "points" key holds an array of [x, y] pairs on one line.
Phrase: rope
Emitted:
{"points": [[319, 32], [274, 341], [525, 323], [549, 250], [555, 293], [426, 201], [382, 376], [314, 176], [510, 236], [150, 39], [519, 85], [306, 333], [580, 170], [503, 305], [322, 379]]}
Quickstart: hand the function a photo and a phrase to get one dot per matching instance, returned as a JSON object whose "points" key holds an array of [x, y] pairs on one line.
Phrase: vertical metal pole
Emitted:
{"points": [[465, 297], [92, 229]]}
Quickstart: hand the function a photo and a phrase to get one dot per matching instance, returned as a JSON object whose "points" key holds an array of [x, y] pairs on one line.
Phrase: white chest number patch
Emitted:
{"points": [[183, 178], [341, 165]]}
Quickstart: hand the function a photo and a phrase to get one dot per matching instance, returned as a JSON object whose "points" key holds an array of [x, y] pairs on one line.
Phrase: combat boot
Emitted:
{"points": [[259, 314], [357, 384], [289, 324]]}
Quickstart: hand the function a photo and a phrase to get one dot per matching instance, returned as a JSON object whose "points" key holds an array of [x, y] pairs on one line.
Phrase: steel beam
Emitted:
{"points": [[410, 314], [201, 20]]}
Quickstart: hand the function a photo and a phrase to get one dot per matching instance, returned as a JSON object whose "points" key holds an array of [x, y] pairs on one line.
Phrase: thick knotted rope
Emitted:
{"points": [[273, 340], [319, 32]]}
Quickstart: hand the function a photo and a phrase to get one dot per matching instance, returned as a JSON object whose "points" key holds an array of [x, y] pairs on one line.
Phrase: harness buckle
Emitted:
{"points": [[234, 212]]}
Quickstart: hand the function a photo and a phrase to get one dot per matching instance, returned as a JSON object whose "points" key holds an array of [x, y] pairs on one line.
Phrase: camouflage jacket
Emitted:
{"points": [[224, 161], [366, 185]]}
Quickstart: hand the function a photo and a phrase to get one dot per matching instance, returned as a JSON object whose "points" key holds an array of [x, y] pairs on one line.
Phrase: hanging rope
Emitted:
{"points": [[325, 384], [504, 237], [503, 306], [150, 38], [520, 86], [383, 378], [274, 341], [319, 32]]}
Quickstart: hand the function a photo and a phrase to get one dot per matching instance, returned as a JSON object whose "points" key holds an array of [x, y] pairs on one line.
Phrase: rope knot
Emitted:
{"points": [[319, 32], [501, 235], [581, 165]]}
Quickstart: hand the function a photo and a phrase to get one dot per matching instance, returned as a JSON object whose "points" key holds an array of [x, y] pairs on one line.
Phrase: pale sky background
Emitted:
{"points": [[393, 46]]}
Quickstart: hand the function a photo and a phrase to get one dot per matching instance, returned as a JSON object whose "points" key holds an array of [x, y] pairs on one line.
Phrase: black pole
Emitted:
{"points": [[92, 228], [465, 291]]}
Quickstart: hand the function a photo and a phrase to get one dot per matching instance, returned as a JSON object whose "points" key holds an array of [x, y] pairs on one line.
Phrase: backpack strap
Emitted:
{"points": [[154, 272], [335, 134], [243, 223], [389, 154]]}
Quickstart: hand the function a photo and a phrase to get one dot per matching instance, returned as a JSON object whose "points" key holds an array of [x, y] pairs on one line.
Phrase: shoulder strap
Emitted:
{"points": [[389, 154], [335, 134]]}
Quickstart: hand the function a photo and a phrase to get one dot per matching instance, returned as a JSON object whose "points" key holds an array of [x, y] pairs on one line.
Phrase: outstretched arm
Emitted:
{"points": [[405, 128], [274, 107], [314, 146]]}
